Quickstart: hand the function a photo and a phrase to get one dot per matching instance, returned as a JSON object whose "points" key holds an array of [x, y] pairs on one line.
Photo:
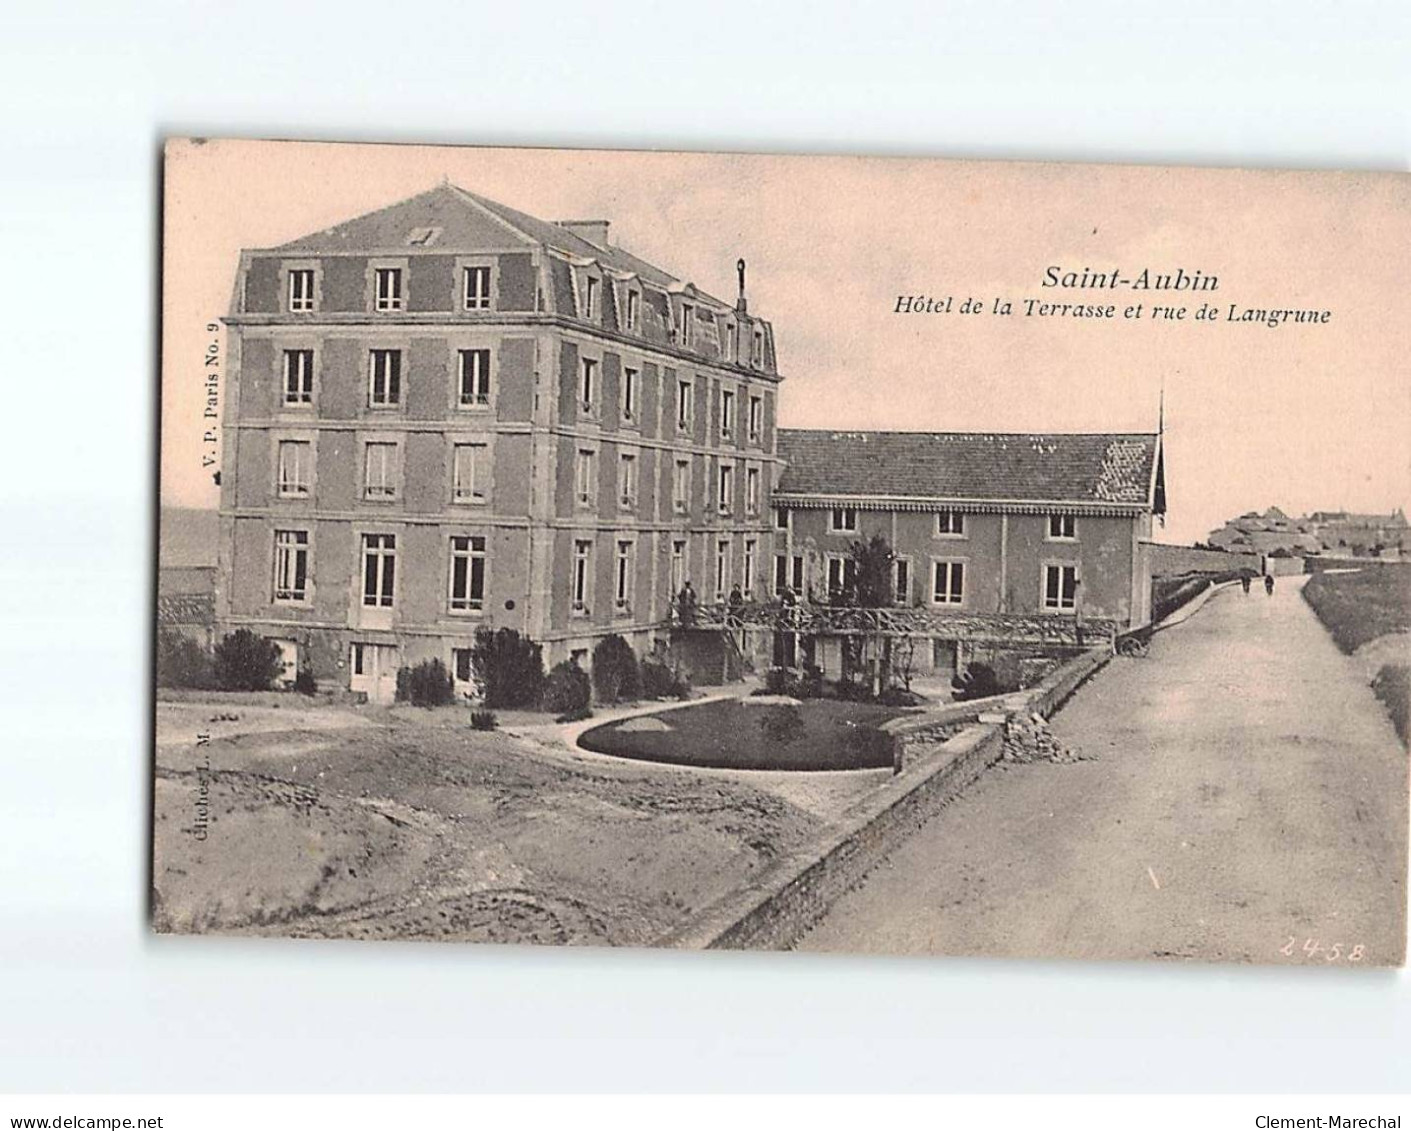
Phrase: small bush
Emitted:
{"points": [[426, 685], [780, 681], [567, 691], [616, 675], [304, 682], [661, 681], [181, 662], [246, 662], [978, 681], [851, 691], [898, 697], [483, 720], [511, 666]]}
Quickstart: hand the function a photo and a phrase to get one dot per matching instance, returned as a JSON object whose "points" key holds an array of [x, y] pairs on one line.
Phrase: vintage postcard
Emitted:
{"points": [[895, 556]]}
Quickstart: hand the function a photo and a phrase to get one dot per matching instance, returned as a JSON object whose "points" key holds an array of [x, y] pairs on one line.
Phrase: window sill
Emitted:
{"points": [[454, 612]]}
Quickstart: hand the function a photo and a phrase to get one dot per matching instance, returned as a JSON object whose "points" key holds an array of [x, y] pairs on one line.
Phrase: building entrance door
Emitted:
{"points": [[374, 671]]}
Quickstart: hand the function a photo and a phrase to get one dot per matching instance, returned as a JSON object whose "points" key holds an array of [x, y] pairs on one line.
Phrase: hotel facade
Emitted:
{"points": [[448, 414]]}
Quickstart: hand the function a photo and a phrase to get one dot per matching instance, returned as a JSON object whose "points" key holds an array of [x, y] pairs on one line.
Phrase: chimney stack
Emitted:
{"points": [[594, 231], [741, 304]]}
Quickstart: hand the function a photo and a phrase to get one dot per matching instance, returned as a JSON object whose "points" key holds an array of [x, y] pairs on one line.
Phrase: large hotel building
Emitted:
{"points": [[448, 414]]}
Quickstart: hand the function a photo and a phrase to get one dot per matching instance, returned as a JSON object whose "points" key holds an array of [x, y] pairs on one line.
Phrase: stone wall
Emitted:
{"points": [[1170, 560]]}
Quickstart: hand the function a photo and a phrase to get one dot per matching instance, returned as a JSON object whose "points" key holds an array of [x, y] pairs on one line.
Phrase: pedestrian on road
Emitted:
{"points": [[1244, 582], [1269, 584]]}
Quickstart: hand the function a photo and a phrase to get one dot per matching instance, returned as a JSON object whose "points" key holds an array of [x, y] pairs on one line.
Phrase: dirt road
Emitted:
{"points": [[1246, 802]]}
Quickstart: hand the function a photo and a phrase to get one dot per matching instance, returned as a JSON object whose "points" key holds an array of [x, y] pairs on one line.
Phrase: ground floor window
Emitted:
{"points": [[747, 565], [463, 664], [788, 573], [722, 568], [842, 573], [622, 587], [582, 575], [1060, 587], [678, 565], [901, 581]]}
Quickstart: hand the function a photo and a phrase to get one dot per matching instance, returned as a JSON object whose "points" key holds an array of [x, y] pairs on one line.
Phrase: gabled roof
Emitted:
{"points": [[1101, 468], [467, 221]]}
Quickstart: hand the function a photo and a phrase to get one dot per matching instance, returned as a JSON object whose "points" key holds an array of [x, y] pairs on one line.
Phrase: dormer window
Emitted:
{"points": [[757, 352], [727, 344], [477, 287], [688, 321], [634, 311], [590, 298], [387, 288], [301, 290]]}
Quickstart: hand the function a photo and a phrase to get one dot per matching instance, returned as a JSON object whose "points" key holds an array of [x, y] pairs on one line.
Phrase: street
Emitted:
{"points": [[1245, 801]]}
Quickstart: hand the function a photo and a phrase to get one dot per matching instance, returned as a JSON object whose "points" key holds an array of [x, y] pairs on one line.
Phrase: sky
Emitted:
{"points": [[1305, 416]]}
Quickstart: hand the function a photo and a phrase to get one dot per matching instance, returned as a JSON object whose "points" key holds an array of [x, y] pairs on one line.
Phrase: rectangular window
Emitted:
{"points": [[469, 473], [585, 478], [590, 298], [678, 565], [901, 581], [298, 376], [725, 496], [788, 574], [722, 567], [295, 465], [747, 564], [477, 288], [1062, 527], [948, 583], [756, 419], [781, 518], [622, 576], [474, 378], [727, 346], [582, 576], [380, 472], [727, 413], [627, 480], [387, 288], [467, 574], [385, 378], [291, 565], [844, 520], [629, 393], [681, 487], [842, 574], [379, 569], [634, 310], [587, 385], [463, 664], [683, 405], [301, 290], [950, 524], [688, 322], [752, 490], [757, 352], [1061, 587]]}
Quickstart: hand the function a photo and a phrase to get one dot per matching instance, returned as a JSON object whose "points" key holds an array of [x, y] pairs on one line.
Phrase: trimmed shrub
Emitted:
{"points": [[567, 692], [978, 681], [426, 685], [661, 681], [483, 720], [780, 681], [616, 675], [511, 666], [246, 662], [181, 662]]}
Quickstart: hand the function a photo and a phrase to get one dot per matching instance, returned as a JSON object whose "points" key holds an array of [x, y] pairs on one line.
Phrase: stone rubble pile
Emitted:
{"points": [[1028, 739]]}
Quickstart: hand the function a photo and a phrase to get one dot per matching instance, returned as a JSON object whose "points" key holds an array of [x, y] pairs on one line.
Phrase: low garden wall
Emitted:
{"points": [[774, 911], [1167, 560]]}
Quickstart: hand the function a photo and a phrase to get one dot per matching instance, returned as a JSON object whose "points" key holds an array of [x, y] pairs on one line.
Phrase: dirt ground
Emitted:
{"points": [[375, 823], [1246, 800]]}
